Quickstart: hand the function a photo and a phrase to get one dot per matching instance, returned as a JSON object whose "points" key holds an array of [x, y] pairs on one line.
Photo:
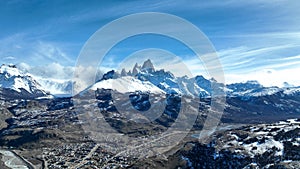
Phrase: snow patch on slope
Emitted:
{"points": [[127, 84]]}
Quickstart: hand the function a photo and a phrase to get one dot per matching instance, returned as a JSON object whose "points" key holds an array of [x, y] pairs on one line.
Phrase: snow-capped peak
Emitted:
{"points": [[9, 70], [12, 78], [126, 84]]}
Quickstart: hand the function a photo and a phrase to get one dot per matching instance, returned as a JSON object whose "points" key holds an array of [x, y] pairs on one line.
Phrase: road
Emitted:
{"points": [[13, 160], [89, 155]]}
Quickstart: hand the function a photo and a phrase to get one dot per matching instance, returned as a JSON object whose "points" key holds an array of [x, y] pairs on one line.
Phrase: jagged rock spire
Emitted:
{"points": [[123, 72], [148, 65], [136, 69]]}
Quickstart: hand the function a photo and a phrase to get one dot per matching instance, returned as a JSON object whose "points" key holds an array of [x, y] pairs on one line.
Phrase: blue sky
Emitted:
{"points": [[257, 40]]}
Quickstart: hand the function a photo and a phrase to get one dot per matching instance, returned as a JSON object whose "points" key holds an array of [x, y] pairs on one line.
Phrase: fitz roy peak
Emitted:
{"points": [[198, 86]]}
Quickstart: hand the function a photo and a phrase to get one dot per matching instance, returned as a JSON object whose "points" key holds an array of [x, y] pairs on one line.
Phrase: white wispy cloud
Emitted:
{"points": [[53, 70], [48, 51], [245, 63], [245, 58], [9, 58], [20, 48], [267, 77], [56, 73], [272, 35], [289, 58]]}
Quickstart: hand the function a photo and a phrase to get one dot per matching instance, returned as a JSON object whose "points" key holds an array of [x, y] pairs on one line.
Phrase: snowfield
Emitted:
{"points": [[126, 84], [261, 138]]}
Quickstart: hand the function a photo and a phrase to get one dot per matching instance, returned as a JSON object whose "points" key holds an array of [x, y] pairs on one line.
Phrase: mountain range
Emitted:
{"points": [[16, 84]]}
